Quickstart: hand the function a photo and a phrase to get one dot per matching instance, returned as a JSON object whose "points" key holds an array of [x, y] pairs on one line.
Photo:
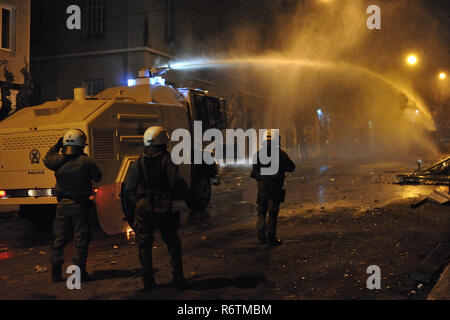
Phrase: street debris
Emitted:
{"points": [[40, 269], [439, 196], [430, 267], [437, 174]]}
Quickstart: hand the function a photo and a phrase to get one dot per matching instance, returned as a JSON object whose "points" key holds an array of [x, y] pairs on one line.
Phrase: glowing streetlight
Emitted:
{"points": [[412, 59], [442, 75]]}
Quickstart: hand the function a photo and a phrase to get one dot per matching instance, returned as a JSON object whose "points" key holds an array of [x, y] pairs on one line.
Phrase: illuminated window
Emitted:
{"points": [[8, 27], [96, 12]]}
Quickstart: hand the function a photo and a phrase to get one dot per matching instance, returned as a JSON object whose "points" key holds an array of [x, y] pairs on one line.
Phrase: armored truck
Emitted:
{"points": [[114, 121]]}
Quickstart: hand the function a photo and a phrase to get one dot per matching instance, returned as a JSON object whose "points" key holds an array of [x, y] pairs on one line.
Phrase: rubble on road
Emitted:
{"points": [[433, 264], [439, 196], [40, 269], [437, 174]]}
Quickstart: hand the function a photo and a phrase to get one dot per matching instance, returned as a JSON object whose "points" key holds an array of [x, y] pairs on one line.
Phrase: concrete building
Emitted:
{"points": [[14, 49], [117, 38], [111, 46]]}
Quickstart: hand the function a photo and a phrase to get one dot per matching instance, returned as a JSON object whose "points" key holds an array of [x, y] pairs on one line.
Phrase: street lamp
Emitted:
{"points": [[411, 59], [442, 76]]}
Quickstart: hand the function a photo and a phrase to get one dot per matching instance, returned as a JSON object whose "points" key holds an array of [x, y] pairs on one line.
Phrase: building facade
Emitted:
{"points": [[117, 38], [14, 51]]}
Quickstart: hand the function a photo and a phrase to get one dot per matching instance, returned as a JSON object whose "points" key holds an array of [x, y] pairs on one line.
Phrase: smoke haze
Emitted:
{"points": [[327, 81]]}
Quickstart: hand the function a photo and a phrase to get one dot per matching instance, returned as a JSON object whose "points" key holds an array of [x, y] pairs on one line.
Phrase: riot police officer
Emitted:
{"points": [[74, 172], [270, 190], [150, 184]]}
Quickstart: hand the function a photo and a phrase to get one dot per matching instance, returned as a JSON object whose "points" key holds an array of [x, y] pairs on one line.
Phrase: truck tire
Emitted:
{"points": [[200, 195], [40, 215]]}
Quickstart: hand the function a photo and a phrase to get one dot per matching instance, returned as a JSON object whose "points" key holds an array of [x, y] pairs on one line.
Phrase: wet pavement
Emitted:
{"points": [[338, 218]]}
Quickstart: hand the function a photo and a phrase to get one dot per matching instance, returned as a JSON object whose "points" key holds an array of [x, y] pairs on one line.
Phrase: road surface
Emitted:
{"points": [[339, 218]]}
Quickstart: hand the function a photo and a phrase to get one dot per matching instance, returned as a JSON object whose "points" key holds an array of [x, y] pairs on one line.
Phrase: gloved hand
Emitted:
{"points": [[60, 143]]}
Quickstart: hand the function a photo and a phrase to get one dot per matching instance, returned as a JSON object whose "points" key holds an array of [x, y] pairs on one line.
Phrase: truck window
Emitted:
{"points": [[215, 112], [201, 111]]}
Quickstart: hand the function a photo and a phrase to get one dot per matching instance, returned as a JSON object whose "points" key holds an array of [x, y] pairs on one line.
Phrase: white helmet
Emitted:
{"points": [[74, 142], [156, 136], [75, 137]]}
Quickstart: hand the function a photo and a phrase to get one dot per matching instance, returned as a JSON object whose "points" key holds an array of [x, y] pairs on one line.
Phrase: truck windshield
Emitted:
{"points": [[209, 111], [201, 111]]}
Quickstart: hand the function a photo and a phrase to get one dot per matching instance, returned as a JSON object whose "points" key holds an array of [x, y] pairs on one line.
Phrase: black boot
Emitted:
{"points": [[176, 263], [273, 241], [85, 276], [80, 260], [179, 282], [148, 280], [262, 236], [56, 273]]}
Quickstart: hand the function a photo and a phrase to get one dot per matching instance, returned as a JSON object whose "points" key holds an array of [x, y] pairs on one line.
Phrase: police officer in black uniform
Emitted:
{"points": [[270, 191], [150, 184], [74, 172]]}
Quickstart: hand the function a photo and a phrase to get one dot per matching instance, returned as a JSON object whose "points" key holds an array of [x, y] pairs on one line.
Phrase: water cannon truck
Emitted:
{"points": [[114, 121]]}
